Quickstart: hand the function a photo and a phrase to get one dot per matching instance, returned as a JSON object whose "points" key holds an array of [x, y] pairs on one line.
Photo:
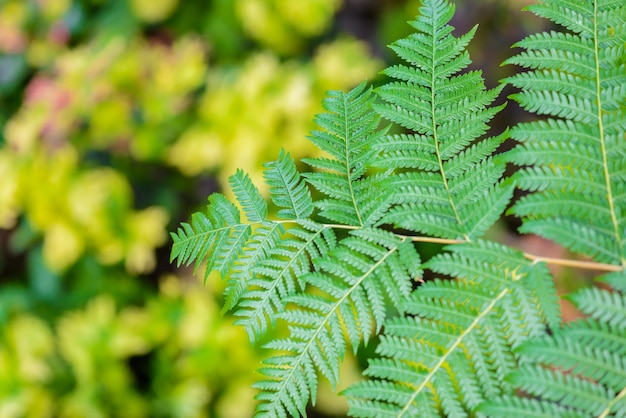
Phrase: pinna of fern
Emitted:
{"points": [[454, 349], [348, 291], [447, 183], [579, 371], [573, 161]]}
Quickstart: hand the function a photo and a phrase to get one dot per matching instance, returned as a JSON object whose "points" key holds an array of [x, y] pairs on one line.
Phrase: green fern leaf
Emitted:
{"points": [[287, 189], [450, 186], [460, 333], [248, 197], [349, 132], [511, 406], [468, 345], [353, 284], [617, 280], [261, 260], [583, 365], [279, 274], [219, 234], [577, 80], [602, 305]]}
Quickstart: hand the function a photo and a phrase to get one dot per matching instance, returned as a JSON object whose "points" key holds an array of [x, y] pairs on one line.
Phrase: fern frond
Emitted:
{"points": [[248, 196], [261, 260], [587, 397], [604, 306], [617, 280], [456, 192], [577, 80], [582, 365], [353, 283], [349, 132], [456, 348], [511, 406], [279, 274], [472, 344], [217, 237], [286, 188]]}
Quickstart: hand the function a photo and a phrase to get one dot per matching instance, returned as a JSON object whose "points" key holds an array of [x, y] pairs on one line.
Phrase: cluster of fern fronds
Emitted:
{"points": [[339, 261]]}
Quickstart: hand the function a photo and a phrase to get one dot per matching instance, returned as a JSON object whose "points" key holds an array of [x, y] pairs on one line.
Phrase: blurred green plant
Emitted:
{"points": [[89, 364], [109, 102], [226, 132]]}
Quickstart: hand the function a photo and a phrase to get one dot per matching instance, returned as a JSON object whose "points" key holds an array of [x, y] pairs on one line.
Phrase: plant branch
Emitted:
{"points": [[587, 265], [565, 262]]}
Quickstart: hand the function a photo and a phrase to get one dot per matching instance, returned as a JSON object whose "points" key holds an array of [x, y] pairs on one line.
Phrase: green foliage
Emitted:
{"points": [[487, 330], [459, 334], [579, 370], [83, 365], [449, 185], [576, 153]]}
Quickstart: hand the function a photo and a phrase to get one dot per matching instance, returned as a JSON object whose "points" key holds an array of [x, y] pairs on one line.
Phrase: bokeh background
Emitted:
{"points": [[117, 119]]}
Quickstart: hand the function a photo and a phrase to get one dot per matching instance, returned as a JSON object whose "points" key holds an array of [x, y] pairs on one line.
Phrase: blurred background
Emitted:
{"points": [[117, 119]]}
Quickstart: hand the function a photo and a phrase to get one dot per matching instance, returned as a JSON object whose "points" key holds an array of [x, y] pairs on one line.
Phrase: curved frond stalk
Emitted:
{"points": [[353, 283], [455, 349], [581, 366], [450, 186], [350, 130], [576, 79]]}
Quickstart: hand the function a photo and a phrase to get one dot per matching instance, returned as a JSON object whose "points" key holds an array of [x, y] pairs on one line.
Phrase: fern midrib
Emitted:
{"points": [[203, 235], [587, 265], [452, 348], [275, 280], [434, 128], [346, 118], [323, 323], [605, 157], [613, 402]]}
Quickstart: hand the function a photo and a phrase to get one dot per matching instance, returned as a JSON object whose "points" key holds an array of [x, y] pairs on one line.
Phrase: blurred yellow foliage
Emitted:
{"points": [[284, 25], [151, 11], [25, 350], [53, 9], [195, 355], [246, 116], [13, 15], [78, 209], [125, 98]]}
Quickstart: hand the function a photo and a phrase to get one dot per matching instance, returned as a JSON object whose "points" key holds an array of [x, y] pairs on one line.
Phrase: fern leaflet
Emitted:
{"points": [[582, 365], [577, 79], [448, 186], [349, 131], [456, 349]]}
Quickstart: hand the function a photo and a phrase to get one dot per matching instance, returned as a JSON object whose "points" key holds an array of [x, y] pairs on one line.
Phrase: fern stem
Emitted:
{"points": [[450, 350], [607, 175], [346, 118], [435, 136], [587, 265], [611, 404], [432, 240]]}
